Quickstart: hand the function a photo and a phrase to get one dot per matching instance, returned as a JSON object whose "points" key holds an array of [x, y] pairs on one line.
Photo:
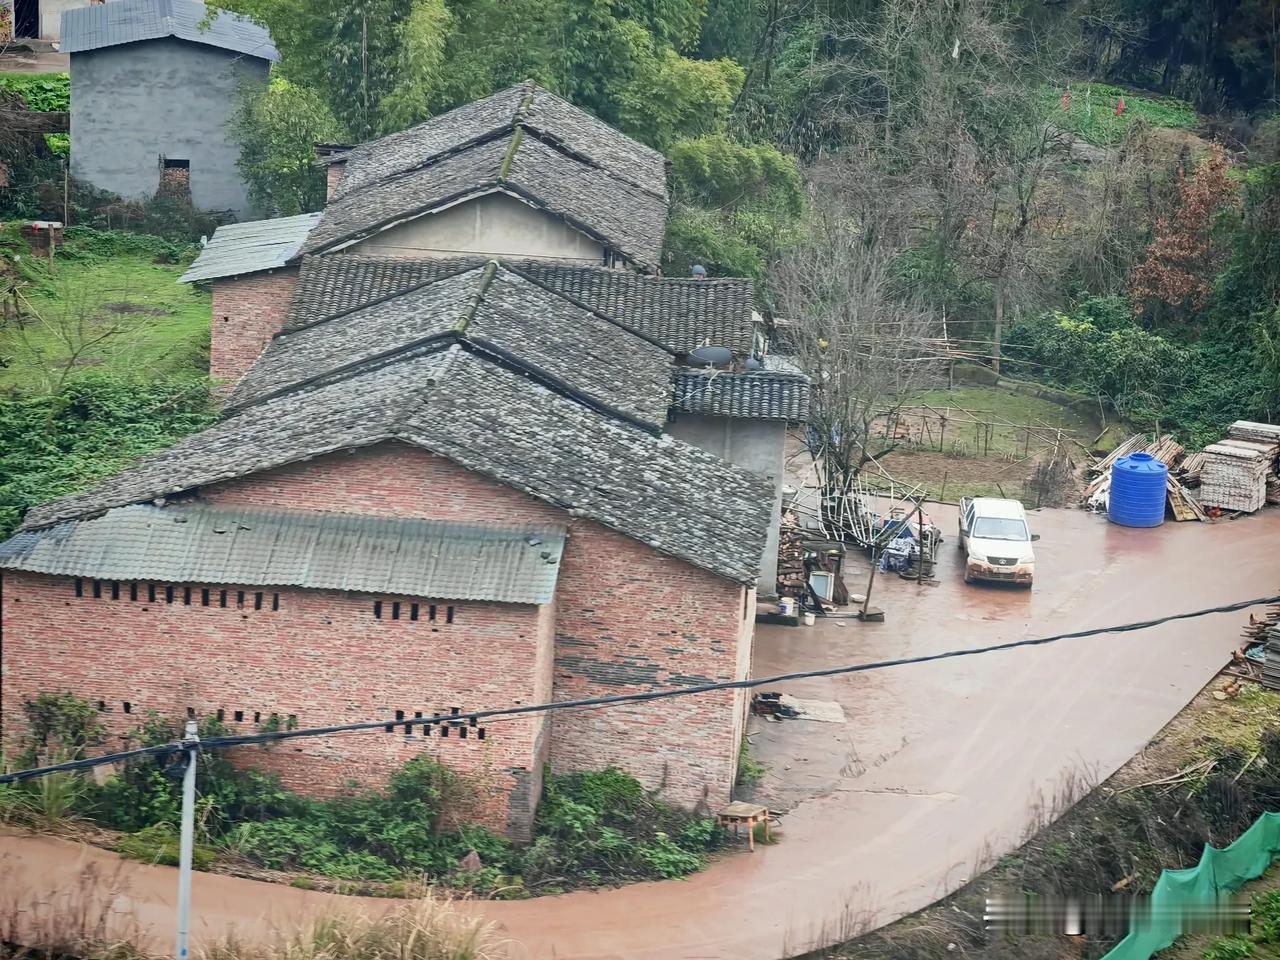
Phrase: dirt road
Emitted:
{"points": [[940, 766]]}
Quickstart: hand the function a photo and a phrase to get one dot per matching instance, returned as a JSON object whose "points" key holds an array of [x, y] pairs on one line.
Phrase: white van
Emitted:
{"points": [[996, 540]]}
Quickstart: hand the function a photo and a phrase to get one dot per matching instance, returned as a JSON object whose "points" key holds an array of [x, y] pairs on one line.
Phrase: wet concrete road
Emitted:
{"points": [[940, 768]]}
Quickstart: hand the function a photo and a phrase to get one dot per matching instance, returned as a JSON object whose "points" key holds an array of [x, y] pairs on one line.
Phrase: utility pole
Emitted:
{"points": [[190, 744]]}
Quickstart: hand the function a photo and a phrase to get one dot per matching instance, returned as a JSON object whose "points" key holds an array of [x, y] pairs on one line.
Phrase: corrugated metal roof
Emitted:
{"points": [[203, 544], [129, 21], [237, 248]]}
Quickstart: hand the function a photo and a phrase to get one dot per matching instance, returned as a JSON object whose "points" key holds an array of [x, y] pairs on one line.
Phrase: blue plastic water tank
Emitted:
{"points": [[1138, 490]]}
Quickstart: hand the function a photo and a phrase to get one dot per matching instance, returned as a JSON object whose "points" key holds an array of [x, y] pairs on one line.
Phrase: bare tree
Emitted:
{"points": [[79, 330], [868, 346]]}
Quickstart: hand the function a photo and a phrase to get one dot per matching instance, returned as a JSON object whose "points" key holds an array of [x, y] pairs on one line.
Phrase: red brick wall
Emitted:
{"points": [[332, 177], [247, 312], [628, 618], [322, 657]]}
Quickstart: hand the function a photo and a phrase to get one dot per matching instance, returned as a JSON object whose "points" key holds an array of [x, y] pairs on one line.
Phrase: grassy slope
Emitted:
{"points": [[988, 473], [1092, 114], [154, 324]]}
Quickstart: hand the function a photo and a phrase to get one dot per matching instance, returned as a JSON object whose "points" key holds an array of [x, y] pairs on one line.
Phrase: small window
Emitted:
{"points": [[448, 614], [173, 163], [115, 589]]}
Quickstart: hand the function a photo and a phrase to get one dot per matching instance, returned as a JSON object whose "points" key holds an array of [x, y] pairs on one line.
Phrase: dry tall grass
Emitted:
{"points": [[88, 921], [426, 930]]}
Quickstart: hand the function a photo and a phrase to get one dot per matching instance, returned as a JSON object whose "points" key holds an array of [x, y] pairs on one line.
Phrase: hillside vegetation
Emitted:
{"points": [[929, 179]]}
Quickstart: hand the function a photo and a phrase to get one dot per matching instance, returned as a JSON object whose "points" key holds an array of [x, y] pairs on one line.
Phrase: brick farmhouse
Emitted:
{"points": [[449, 474]]}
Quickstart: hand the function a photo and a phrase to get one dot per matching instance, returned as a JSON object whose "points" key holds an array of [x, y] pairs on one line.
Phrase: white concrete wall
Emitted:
{"points": [[51, 16], [496, 224], [757, 445]]}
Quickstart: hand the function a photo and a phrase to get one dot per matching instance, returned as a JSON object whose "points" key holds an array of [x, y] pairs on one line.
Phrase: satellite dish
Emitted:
{"points": [[755, 363], [710, 357]]}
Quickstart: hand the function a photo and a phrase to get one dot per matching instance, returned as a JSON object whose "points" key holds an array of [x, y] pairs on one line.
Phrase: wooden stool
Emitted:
{"points": [[738, 813]]}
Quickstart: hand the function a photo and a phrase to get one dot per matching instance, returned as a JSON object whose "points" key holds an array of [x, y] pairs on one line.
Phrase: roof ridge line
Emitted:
{"points": [[469, 314], [517, 137]]}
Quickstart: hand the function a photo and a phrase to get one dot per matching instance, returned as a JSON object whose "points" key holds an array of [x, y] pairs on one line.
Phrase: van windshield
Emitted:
{"points": [[999, 528]]}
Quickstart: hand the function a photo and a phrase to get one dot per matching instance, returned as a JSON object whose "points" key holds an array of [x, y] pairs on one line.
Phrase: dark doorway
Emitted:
{"points": [[26, 19]]}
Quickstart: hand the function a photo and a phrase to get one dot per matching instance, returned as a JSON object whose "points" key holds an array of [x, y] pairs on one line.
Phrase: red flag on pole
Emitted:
{"points": [[1120, 106]]}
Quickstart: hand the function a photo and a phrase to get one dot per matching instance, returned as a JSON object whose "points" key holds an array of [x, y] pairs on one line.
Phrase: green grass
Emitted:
{"points": [[121, 314], [1092, 115], [992, 404]]}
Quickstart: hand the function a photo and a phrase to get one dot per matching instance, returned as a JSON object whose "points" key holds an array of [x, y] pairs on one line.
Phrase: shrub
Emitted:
{"points": [[42, 92], [1229, 948], [1266, 917], [599, 827], [159, 843]]}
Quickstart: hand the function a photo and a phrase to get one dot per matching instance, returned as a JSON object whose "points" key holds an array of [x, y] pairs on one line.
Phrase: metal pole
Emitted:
{"points": [[190, 739]]}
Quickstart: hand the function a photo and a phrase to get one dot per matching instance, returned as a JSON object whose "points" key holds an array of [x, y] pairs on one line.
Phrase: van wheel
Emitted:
{"points": [[967, 578]]}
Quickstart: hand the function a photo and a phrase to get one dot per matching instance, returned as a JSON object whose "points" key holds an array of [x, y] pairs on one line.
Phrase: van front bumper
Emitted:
{"points": [[1018, 573]]}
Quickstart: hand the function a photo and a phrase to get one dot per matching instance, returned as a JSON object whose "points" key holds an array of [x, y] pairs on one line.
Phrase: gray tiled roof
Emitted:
{"points": [[237, 248], [678, 314], [129, 21], [523, 141], [493, 310], [780, 391], [192, 543], [537, 110], [617, 214], [679, 499]]}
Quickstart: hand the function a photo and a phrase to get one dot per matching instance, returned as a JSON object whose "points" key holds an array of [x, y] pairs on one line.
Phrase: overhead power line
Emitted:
{"points": [[452, 719]]}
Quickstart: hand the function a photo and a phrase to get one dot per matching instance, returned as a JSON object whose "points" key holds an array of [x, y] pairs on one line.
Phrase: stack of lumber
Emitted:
{"points": [[1166, 450], [1267, 436], [1248, 430], [1234, 476], [1271, 666], [1188, 472], [1182, 504]]}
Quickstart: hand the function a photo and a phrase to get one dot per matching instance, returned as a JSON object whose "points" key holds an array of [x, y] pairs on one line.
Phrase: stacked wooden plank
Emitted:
{"points": [[1264, 437], [1166, 450], [1188, 471], [1182, 504], [1271, 666], [1248, 430], [1234, 476]]}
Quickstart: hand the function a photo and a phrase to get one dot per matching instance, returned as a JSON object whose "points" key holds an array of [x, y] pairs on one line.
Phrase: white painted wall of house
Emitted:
{"points": [[495, 224]]}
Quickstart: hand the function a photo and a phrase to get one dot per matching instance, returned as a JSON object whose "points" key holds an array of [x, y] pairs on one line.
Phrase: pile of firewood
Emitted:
{"points": [[792, 578]]}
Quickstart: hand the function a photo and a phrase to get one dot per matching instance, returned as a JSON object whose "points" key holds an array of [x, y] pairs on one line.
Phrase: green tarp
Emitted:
{"points": [[1219, 871]]}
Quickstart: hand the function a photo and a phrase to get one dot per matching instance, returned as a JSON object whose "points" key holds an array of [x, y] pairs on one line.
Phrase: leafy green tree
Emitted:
{"points": [[669, 96], [277, 130]]}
